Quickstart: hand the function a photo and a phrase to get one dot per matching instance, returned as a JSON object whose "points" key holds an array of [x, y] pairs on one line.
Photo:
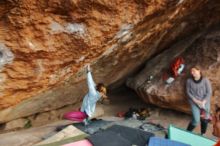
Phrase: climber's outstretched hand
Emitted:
{"points": [[88, 68]]}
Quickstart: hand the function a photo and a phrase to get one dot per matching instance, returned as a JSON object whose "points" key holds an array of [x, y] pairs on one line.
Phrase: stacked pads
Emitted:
{"points": [[157, 141], [180, 137], [189, 138], [115, 135], [118, 135]]}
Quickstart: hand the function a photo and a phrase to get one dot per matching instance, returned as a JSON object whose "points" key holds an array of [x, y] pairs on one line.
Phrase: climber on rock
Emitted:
{"points": [[199, 91], [95, 93]]}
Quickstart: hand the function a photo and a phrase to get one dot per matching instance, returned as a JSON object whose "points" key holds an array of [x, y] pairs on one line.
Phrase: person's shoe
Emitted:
{"points": [[190, 127], [204, 125], [85, 122]]}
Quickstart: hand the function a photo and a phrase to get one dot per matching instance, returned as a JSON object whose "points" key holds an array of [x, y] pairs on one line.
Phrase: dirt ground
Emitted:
{"points": [[124, 98]]}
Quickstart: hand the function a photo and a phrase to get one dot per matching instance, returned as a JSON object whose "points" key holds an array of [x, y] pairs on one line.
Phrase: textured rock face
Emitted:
{"points": [[45, 45], [204, 52]]}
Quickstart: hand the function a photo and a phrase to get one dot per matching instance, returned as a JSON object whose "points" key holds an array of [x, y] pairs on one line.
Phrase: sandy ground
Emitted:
{"points": [[121, 100]]}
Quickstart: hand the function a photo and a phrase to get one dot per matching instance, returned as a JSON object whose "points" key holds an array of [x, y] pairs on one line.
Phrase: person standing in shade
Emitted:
{"points": [[199, 91]]}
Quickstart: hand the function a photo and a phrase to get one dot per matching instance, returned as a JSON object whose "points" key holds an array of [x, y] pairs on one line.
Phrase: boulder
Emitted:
{"points": [[204, 52], [16, 124]]}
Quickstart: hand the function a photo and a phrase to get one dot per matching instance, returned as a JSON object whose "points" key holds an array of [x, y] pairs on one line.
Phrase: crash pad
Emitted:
{"points": [[69, 132], [94, 126], [157, 141], [118, 135], [190, 138], [75, 116], [108, 138], [79, 143], [66, 141]]}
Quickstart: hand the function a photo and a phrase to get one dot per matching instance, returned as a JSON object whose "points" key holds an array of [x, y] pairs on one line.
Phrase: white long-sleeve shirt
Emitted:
{"points": [[91, 98]]}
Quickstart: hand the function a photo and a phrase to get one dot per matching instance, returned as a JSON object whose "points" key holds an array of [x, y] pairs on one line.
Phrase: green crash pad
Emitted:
{"points": [[190, 138]]}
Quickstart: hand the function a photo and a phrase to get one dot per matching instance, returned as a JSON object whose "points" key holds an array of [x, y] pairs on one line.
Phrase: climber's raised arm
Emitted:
{"points": [[90, 82]]}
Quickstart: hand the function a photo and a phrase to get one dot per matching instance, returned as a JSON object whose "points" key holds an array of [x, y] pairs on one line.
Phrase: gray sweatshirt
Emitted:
{"points": [[201, 90]]}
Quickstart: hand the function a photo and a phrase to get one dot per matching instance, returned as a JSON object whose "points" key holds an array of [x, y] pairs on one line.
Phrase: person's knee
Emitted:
{"points": [[195, 117]]}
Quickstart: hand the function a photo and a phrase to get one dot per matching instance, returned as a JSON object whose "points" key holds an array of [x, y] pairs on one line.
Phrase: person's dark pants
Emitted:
{"points": [[204, 126], [196, 118], [190, 127]]}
